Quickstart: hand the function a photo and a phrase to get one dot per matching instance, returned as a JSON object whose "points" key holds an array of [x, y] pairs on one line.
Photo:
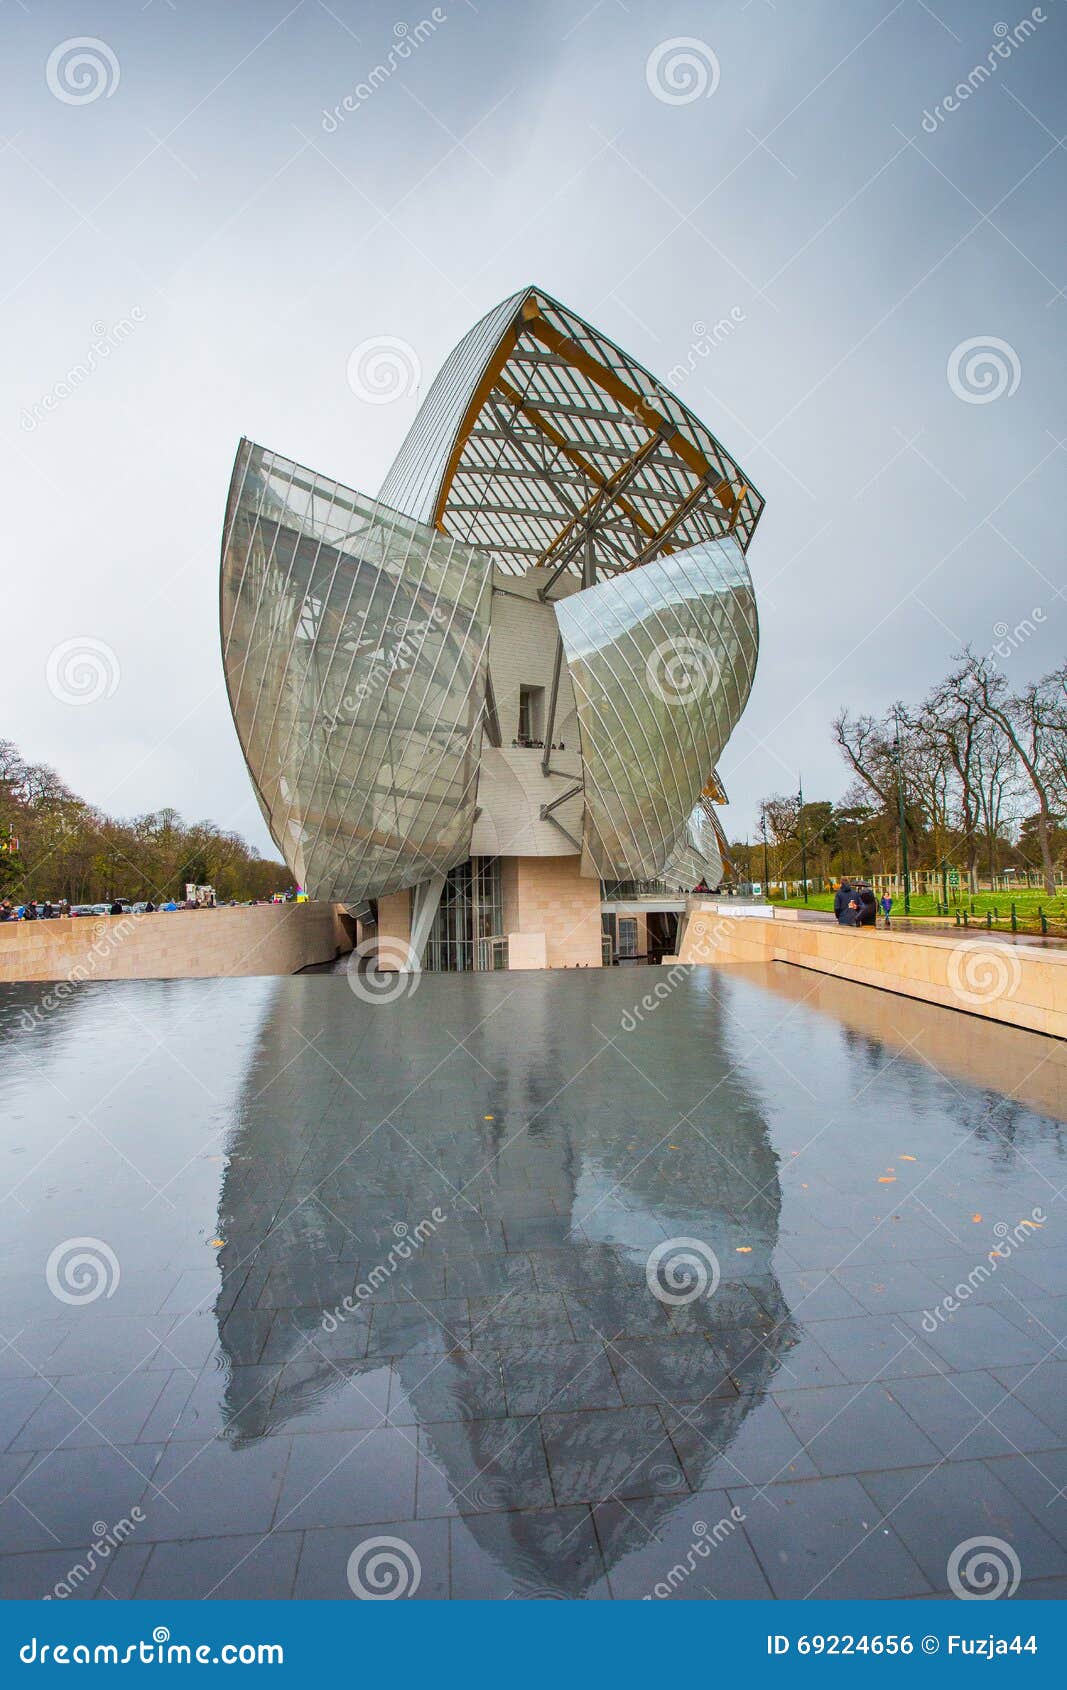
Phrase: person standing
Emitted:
{"points": [[887, 905], [842, 898]]}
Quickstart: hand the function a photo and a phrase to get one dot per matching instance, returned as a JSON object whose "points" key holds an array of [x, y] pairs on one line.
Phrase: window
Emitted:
{"points": [[531, 715], [627, 935]]}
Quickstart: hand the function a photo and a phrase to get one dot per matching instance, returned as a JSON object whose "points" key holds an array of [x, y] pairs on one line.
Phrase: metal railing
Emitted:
{"points": [[610, 890]]}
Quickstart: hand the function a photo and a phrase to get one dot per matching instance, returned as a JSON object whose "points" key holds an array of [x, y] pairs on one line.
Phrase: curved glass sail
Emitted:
{"points": [[354, 646], [661, 660], [697, 857]]}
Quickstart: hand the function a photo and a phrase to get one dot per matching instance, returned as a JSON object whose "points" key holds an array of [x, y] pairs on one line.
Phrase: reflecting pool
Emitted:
{"points": [[621, 1283]]}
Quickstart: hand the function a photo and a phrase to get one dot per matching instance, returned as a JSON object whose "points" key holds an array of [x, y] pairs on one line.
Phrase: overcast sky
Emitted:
{"points": [[184, 214]]}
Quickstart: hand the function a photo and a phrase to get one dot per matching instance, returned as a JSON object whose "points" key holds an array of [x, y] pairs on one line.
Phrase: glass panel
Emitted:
{"points": [[354, 646], [466, 932], [662, 660]]}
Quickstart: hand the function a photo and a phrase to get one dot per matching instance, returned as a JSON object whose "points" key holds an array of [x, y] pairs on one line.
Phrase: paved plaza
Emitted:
{"points": [[753, 1289]]}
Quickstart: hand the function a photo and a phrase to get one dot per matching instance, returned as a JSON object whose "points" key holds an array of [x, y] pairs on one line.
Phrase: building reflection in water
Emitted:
{"points": [[315, 1187]]}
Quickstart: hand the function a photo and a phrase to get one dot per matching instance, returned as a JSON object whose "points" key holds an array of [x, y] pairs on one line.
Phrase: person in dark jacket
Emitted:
{"points": [[842, 898], [868, 907]]}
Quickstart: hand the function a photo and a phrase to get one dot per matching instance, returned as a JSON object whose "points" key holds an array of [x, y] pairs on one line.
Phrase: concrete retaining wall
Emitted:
{"points": [[1019, 985], [176, 945]]}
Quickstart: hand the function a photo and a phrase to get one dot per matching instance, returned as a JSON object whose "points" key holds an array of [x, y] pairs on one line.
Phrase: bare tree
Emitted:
{"points": [[951, 719], [1028, 722], [996, 778]]}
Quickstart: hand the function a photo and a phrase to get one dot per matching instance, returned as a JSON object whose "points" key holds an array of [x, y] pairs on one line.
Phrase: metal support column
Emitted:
{"points": [[550, 724]]}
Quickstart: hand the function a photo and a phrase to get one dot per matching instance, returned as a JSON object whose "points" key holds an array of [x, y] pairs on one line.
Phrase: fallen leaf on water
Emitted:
{"points": [[217, 1243], [887, 1179], [976, 1217], [743, 1249], [488, 1117], [909, 1158]]}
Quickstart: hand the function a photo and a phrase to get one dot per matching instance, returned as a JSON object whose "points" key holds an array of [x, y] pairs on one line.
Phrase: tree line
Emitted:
{"points": [[67, 848], [975, 777]]}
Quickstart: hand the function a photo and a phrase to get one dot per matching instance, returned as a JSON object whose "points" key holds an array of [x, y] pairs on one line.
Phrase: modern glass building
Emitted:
{"points": [[467, 704]]}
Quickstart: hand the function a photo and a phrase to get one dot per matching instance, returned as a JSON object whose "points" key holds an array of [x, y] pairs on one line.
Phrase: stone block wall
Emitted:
{"points": [[1020, 985], [177, 944]]}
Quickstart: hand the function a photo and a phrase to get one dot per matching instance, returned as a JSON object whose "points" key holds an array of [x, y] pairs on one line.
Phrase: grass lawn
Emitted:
{"points": [[998, 904]]}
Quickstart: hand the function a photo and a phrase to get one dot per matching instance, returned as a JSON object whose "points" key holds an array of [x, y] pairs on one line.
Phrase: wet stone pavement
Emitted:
{"points": [[560, 1295]]}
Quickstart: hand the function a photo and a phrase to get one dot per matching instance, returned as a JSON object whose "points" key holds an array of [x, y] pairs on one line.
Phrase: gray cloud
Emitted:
{"points": [[195, 251]]}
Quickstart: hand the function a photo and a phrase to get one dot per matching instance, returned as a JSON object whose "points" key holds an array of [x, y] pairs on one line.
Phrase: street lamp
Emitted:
{"points": [[900, 817], [803, 837], [766, 870]]}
